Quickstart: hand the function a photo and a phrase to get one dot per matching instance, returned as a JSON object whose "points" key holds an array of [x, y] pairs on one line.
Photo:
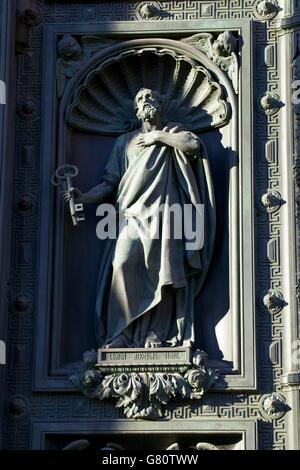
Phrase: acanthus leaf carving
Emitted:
{"points": [[221, 50], [144, 394]]}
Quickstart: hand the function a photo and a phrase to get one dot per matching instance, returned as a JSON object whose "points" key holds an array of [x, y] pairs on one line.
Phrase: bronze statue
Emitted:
{"points": [[147, 286]]}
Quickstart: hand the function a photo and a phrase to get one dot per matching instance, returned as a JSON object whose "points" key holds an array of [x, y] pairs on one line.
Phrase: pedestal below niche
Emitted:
{"points": [[144, 380]]}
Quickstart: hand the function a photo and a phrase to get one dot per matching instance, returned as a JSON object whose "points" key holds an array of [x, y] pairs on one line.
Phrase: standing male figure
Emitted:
{"points": [[147, 286]]}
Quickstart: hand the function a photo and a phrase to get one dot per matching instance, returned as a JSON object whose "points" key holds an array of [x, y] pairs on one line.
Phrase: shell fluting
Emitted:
{"points": [[103, 103]]}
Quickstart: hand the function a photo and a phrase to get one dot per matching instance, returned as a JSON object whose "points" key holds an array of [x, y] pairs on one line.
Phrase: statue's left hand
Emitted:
{"points": [[147, 139]]}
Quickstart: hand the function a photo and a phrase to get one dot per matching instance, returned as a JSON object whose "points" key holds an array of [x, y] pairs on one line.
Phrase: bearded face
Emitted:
{"points": [[147, 113], [148, 105]]}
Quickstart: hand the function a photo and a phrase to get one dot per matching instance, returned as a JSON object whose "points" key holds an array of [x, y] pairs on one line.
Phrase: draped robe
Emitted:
{"points": [[148, 285]]}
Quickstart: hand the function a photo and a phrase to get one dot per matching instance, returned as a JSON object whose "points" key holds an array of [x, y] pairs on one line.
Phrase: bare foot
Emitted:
{"points": [[153, 341]]}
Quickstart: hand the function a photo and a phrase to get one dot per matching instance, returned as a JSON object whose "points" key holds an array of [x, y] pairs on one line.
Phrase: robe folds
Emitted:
{"points": [[148, 284]]}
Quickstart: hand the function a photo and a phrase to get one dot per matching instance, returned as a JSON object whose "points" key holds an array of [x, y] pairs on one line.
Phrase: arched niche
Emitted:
{"points": [[96, 107]]}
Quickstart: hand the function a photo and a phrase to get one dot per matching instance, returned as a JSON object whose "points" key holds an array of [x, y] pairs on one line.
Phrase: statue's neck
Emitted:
{"points": [[148, 126]]}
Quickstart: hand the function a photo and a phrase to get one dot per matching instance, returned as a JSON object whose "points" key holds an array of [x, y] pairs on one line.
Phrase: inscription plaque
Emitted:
{"points": [[143, 359]]}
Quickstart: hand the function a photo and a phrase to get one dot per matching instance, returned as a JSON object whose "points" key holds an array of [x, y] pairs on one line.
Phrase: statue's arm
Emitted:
{"points": [[109, 184], [96, 195], [184, 141]]}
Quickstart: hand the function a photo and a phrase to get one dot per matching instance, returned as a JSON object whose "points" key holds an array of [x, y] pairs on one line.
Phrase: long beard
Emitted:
{"points": [[148, 113]]}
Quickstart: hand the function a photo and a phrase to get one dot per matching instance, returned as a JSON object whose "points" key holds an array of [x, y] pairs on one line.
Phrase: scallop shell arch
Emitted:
{"points": [[103, 103]]}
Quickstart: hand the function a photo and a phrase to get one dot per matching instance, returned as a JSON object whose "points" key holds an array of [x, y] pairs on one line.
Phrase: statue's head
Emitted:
{"points": [[147, 104], [225, 44], [69, 47]]}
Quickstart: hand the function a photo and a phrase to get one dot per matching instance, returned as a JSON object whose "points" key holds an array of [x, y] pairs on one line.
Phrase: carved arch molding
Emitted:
{"points": [[197, 83]]}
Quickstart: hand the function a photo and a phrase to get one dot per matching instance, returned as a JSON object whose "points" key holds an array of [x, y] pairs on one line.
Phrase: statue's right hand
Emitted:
{"points": [[75, 192]]}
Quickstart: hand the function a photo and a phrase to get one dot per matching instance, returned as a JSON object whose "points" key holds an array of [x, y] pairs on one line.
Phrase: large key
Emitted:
{"points": [[63, 176]]}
